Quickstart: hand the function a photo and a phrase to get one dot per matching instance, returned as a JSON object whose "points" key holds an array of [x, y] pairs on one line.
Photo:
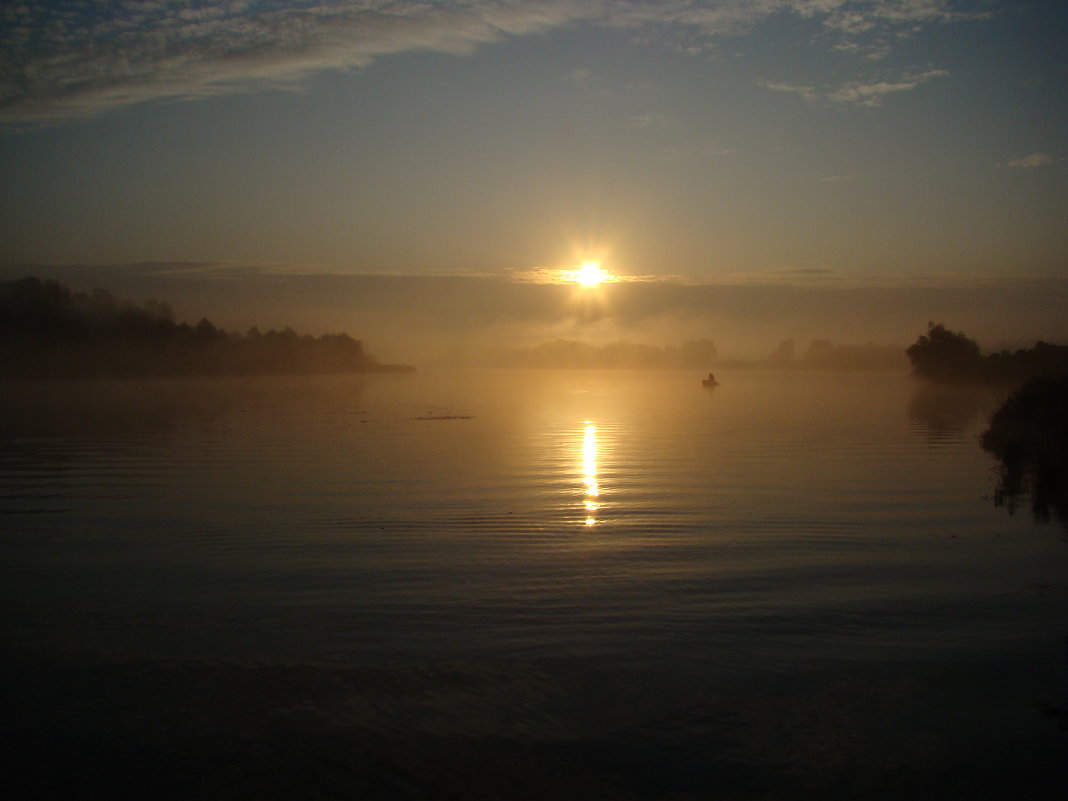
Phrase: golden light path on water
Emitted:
{"points": [[589, 471]]}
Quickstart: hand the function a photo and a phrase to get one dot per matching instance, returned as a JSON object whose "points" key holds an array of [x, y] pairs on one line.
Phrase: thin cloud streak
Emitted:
{"points": [[858, 93], [1030, 162], [554, 275], [786, 276], [67, 60]]}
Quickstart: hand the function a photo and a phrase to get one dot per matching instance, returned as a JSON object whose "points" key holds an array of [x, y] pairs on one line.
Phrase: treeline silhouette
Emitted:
{"points": [[945, 355], [48, 331], [569, 354]]}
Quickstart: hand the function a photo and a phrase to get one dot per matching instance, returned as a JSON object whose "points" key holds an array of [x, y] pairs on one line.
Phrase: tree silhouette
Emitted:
{"points": [[941, 353], [1029, 437], [48, 331], [784, 354], [944, 355]]}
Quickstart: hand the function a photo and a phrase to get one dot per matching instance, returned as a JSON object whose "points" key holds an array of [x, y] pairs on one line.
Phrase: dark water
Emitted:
{"points": [[523, 585]]}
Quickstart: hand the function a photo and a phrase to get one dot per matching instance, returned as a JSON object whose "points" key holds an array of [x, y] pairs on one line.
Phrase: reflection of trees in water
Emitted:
{"points": [[50, 430], [1029, 437], [944, 412], [117, 410], [50, 426], [113, 410]]}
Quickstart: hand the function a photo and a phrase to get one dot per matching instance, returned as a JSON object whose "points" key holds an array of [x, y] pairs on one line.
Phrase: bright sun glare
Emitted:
{"points": [[589, 273]]}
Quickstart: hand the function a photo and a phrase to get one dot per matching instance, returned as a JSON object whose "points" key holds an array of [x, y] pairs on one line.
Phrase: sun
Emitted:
{"points": [[590, 273]]}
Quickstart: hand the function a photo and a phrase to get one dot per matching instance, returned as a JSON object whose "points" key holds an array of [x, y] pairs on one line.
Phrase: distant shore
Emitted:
{"points": [[49, 332]]}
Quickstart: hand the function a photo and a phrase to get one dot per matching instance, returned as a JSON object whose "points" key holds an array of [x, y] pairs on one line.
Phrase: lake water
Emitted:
{"points": [[524, 585]]}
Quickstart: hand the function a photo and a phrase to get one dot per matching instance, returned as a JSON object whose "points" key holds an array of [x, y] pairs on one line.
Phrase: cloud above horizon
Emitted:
{"points": [[858, 93], [68, 60], [820, 276], [1030, 162]]}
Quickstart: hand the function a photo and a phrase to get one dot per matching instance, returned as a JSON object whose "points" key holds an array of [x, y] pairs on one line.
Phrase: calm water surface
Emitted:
{"points": [[525, 585]]}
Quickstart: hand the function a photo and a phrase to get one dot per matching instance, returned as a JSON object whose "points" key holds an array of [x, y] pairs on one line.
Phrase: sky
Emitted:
{"points": [[774, 166]]}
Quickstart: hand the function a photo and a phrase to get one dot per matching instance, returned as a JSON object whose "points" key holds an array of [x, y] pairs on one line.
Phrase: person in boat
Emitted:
{"points": [[710, 381]]}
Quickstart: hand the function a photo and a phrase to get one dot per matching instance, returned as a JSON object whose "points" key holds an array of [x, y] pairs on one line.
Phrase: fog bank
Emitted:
{"points": [[432, 319]]}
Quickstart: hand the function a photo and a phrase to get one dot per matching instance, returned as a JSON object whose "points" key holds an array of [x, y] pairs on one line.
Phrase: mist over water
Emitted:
{"points": [[456, 320], [591, 583]]}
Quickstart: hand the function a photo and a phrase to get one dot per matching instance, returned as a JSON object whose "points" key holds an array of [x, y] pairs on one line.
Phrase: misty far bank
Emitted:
{"points": [[438, 319], [48, 331], [699, 354]]}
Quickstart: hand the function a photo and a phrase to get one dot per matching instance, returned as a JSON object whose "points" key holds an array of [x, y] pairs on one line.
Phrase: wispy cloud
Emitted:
{"points": [[871, 28], [872, 94], [710, 149], [821, 276], [64, 59], [71, 59], [657, 122], [786, 276], [1030, 162], [865, 15], [583, 77], [867, 26], [857, 93], [809, 93], [872, 52]]}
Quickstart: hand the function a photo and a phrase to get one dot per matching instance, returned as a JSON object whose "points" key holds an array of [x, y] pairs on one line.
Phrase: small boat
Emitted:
{"points": [[710, 381]]}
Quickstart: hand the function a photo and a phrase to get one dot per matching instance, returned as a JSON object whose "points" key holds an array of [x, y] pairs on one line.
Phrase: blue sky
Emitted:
{"points": [[825, 143]]}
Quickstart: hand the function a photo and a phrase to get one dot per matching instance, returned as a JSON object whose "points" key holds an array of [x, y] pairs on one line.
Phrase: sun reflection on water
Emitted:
{"points": [[589, 471]]}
